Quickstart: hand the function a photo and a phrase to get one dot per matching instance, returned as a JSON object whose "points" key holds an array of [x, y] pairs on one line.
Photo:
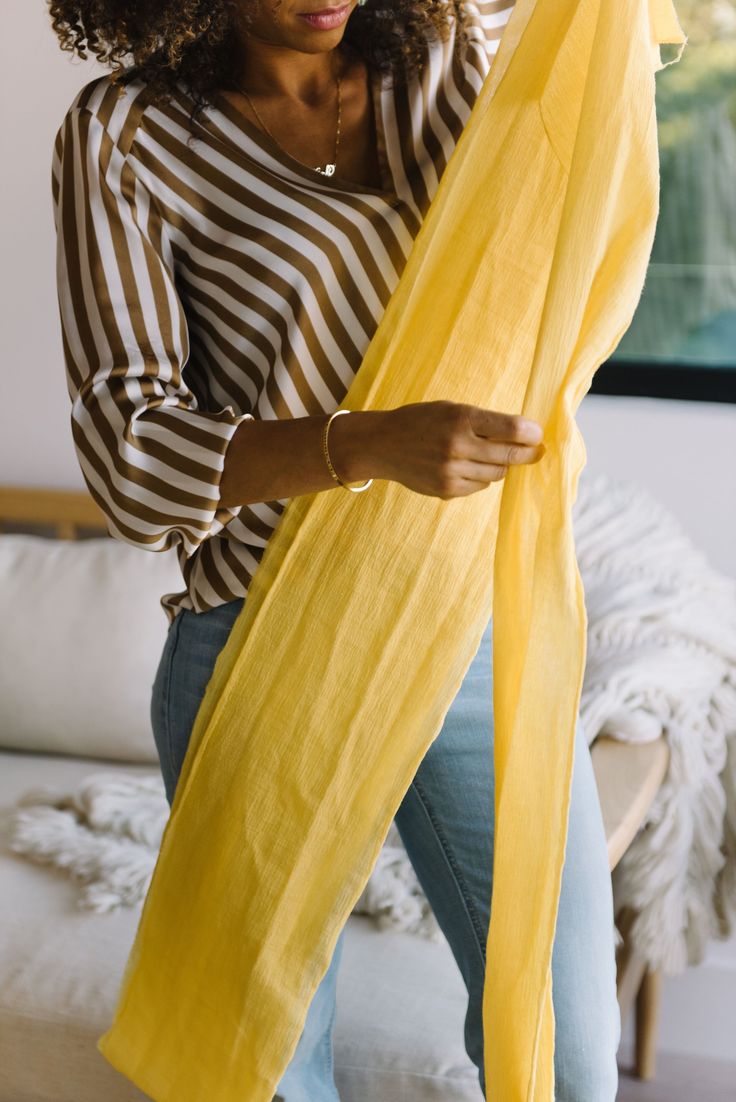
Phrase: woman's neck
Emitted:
{"points": [[279, 72]]}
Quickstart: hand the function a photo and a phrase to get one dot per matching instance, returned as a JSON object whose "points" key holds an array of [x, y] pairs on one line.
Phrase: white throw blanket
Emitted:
{"points": [[661, 656]]}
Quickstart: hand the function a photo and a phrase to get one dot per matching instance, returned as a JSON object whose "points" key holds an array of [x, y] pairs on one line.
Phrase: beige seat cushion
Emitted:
{"points": [[401, 1000]]}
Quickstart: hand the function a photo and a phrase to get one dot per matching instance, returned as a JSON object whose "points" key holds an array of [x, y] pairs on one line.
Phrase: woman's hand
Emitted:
{"points": [[443, 449], [450, 449]]}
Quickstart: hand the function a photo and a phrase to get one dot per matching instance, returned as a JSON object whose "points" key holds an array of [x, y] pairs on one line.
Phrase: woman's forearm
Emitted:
{"points": [[274, 459]]}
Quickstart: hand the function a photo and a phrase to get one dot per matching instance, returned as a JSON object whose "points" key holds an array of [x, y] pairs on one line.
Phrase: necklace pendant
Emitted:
{"points": [[328, 170]]}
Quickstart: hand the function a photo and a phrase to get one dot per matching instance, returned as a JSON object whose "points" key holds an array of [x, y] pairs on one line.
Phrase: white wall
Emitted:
{"points": [[37, 83], [683, 452]]}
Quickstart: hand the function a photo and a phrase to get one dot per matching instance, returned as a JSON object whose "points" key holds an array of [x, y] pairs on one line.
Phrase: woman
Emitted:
{"points": [[232, 219]]}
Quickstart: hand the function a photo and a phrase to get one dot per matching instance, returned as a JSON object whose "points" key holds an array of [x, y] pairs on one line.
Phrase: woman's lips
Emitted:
{"points": [[326, 20]]}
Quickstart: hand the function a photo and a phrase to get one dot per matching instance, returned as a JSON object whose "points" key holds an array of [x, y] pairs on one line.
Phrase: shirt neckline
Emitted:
{"points": [[387, 192]]}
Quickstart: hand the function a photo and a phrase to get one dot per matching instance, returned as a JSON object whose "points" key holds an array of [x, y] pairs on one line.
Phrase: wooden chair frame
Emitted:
{"points": [[628, 775]]}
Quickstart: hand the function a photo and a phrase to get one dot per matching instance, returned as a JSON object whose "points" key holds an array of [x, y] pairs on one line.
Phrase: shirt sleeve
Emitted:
{"points": [[151, 458]]}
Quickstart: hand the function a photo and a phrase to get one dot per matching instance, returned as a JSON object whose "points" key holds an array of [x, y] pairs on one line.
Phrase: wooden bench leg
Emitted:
{"points": [[647, 1016]]}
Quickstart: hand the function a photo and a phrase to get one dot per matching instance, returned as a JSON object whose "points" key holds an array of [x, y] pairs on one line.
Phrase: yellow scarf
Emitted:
{"points": [[367, 609]]}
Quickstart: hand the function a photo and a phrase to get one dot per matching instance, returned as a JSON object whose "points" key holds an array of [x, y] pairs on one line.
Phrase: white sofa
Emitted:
{"points": [[76, 615]]}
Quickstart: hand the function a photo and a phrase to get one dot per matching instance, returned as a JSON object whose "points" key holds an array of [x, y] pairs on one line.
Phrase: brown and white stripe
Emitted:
{"points": [[203, 284]]}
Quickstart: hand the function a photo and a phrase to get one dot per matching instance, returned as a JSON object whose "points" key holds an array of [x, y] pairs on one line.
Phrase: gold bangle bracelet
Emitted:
{"points": [[333, 472]]}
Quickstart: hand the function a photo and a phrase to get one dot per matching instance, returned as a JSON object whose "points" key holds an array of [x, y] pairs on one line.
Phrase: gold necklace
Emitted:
{"points": [[330, 167]]}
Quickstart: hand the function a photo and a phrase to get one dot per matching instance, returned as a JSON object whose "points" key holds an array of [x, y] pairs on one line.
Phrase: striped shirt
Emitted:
{"points": [[204, 284]]}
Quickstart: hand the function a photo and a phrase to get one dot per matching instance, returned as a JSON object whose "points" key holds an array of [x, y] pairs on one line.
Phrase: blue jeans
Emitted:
{"points": [[446, 822]]}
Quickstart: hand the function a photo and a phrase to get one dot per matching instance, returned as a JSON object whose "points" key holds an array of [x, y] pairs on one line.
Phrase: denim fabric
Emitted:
{"points": [[446, 821]]}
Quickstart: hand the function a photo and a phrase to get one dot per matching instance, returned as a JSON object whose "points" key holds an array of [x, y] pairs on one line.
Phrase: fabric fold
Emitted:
{"points": [[366, 610]]}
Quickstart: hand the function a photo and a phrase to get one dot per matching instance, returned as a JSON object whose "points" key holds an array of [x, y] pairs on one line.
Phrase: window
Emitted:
{"points": [[682, 340]]}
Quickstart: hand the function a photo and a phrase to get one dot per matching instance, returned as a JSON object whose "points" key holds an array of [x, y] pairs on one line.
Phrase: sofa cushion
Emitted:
{"points": [[79, 616], [400, 998]]}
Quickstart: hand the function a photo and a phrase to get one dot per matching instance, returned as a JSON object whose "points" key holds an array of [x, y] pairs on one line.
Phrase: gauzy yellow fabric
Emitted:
{"points": [[367, 609]]}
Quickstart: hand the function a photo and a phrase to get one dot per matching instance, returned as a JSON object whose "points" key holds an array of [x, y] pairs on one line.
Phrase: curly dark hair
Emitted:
{"points": [[195, 40]]}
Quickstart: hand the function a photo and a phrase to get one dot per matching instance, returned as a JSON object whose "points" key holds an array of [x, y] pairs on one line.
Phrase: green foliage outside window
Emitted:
{"points": [[687, 312]]}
